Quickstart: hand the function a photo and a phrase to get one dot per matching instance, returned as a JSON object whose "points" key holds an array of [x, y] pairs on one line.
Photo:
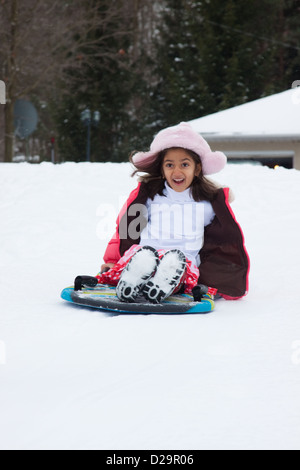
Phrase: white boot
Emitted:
{"points": [[141, 267], [171, 268]]}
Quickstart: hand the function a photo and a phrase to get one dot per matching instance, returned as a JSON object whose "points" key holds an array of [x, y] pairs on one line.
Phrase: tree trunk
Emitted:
{"points": [[9, 131], [11, 68]]}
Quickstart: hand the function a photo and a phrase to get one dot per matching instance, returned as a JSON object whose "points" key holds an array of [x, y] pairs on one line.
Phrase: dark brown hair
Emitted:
{"points": [[202, 189]]}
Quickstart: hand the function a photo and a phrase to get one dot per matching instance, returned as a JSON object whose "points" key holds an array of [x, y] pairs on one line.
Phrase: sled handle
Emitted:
{"points": [[199, 291], [85, 281]]}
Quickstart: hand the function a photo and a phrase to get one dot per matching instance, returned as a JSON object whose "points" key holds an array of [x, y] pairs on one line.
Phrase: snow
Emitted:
{"points": [[73, 378], [278, 115]]}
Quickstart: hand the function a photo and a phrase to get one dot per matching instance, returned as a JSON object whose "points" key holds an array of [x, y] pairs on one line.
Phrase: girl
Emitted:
{"points": [[176, 229]]}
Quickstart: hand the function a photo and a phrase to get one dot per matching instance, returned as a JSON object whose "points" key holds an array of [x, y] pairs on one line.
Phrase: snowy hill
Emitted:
{"points": [[72, 378]]}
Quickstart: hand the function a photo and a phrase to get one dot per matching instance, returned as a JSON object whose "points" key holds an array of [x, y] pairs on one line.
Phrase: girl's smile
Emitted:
{"points": [[179, 169]]}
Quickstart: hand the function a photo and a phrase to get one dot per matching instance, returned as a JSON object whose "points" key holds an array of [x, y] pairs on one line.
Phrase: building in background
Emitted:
{"points": [[265, 130]]}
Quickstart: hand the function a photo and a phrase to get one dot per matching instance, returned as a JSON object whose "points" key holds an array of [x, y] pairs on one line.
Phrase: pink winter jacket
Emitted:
{"points": [[224, 260]]}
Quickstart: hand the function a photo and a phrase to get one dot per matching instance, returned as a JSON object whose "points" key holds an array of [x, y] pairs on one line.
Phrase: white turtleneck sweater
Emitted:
{"points": [[175, 220]]}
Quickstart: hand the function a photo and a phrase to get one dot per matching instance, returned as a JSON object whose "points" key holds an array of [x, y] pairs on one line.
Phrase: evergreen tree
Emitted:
{"points": [[176, 94], [42, 40], [106, 86], [105, 90], [288, 43], [237, 47], [212, 55], [179, 60]]}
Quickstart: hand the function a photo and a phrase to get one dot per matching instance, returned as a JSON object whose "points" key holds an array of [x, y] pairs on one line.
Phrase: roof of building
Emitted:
{"points": [[276, 115]]}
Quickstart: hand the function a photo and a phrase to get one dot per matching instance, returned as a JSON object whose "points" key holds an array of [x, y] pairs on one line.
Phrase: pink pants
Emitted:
{"points": [[111, 277]]}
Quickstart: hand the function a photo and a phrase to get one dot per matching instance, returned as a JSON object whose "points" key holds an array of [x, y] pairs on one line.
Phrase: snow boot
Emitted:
{"points": [[167, 278], [140, 268]]}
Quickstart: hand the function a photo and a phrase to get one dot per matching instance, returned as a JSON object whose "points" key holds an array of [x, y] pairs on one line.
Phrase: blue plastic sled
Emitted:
{"points": [[104, 297]]}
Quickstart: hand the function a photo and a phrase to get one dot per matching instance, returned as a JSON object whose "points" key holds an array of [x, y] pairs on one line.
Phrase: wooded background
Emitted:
{"points": [[143, 64]]}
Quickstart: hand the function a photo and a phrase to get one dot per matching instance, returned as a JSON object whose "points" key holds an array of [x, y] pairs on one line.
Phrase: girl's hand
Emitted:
{"points": [[106, 267]]}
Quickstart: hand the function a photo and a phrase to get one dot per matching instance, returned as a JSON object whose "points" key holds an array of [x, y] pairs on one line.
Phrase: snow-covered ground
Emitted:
{"points": [[72, 378]]}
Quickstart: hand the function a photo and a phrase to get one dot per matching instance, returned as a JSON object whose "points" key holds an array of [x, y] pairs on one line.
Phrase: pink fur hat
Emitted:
{"points": [[182, 136]]}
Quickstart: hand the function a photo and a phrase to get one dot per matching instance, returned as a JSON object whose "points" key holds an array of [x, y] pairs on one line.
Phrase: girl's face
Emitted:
{"points": [[179, 169]]}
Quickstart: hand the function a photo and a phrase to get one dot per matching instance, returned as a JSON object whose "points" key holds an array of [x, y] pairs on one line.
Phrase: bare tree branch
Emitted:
{"points": [[43, 41]]}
